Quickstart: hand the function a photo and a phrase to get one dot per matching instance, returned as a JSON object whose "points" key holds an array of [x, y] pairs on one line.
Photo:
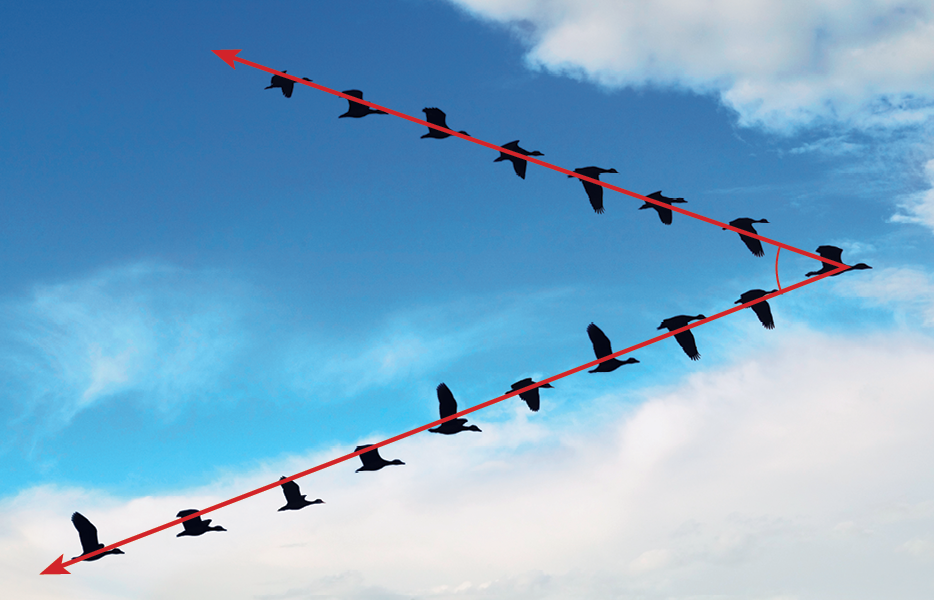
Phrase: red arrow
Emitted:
{"points": [[230, 57], [58, 566]]}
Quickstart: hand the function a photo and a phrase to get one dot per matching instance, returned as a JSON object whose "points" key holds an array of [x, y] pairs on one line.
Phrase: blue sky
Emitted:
{"points": [[206, 284]]}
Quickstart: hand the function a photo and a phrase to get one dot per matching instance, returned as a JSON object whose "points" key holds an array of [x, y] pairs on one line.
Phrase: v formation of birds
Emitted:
{"points": [[447, 405]]}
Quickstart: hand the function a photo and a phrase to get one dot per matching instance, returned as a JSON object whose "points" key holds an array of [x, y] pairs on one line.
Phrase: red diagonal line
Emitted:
{"points": [[535, 160], [462, 413]]}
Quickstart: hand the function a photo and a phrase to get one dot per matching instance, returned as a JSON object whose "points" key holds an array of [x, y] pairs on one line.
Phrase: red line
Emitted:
{"points": [[777, 252], [462, 413], [538, 162]]}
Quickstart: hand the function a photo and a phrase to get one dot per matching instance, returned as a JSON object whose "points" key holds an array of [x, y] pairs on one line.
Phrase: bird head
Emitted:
{"points": [[535, 153], [547, 385], [472, 428], [396, 462]]}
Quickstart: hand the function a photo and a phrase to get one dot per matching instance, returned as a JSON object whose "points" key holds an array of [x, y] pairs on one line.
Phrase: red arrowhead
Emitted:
{"points": [[56, 568], [227, 56]]}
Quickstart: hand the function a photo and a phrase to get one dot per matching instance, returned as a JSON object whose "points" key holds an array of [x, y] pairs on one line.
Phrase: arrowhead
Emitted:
{"points": [[227, 56], [56, 568]]}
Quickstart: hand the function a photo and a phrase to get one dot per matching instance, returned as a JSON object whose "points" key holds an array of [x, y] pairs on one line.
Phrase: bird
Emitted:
{"points": [[531, 397], [294, 499], [87, 533], [436, 116], [447, 406], [594, 191], [761, 309], [278, 81], [196, 526], [357, 109], [685, 338], [663, 213], [754, 245], [601, 347], [517, 163], [834, 253], [372, 461]]}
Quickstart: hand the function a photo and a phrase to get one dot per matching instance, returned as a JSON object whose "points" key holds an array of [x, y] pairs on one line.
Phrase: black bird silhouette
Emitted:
{"points": [[594, 191], [294, 499], [278, 81], [834, 253], [447, 406], [754, 245], [601, 347], [196, 526], [685, 338], [87, 533], [663, 213], [531, 397], [372, 461], [517, 163], [436, 116], [356, 109], [761, 309]]}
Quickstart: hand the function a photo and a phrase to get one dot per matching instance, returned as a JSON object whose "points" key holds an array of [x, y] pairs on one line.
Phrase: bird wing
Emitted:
{"points": [[436, 116], [354, 93], [514, 146], [831, 253], [664, 214], [764, 312], [370, 458], [191, 524], [519, 165], [595, 193], [601, 343], [531, 398], [686, 339], [292, 492], [754, 245], [87, 533], [447, 405], [287, 86], [522, 383]]}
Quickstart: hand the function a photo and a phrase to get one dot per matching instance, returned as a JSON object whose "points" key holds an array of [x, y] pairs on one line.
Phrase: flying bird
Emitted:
{"points": [[754, 245], [517, 163], [663, 213], [372, 461], [294, 499], [196, 526], [87, 533], [685, 338], [531, 397], [601, 347], [761, 309], [594, 191], [278, 81], [447, 406], [834, 253], [357, 109], [436, 116]]}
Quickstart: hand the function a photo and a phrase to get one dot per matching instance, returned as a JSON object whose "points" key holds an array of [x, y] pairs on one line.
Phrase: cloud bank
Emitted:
{"points": [[800, 472]]}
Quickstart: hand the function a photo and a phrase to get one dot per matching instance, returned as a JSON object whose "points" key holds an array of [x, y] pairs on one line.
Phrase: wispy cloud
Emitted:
{"points": [[791, 472]]}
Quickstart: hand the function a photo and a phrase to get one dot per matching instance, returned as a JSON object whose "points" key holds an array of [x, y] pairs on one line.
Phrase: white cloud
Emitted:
{"points": [[907, 291], [919, 207], [801, 472], [780, 65]]}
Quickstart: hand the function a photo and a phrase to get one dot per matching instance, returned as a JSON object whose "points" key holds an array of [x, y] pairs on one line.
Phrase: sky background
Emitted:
{"points": [[207, 286]]}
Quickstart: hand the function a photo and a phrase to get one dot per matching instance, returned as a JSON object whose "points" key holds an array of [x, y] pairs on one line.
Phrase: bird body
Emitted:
{"points": [[285, 84], [196, 526], [447, 406], [835, 254], [531, 397], [518, 164], [745, 223], [602, 347], [358, 110], [761, 309], [685, 338], [594, 191], [372, 461], [87, 533], [436, 116], [663, 213], [294, 499]]}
